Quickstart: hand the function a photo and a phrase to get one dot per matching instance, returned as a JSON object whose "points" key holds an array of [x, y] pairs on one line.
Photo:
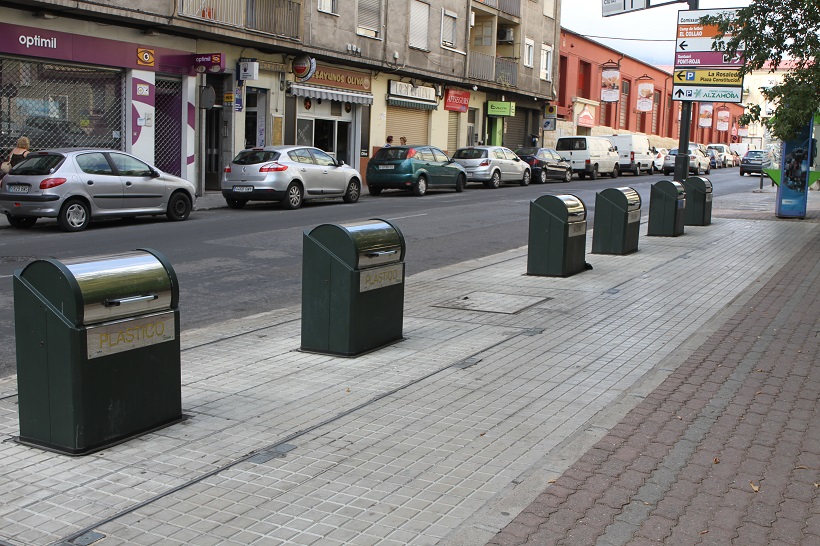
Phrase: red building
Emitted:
{"points": [[603, 91]]}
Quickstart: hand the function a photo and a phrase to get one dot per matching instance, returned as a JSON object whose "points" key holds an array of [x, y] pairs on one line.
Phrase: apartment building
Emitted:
{"points": [[185, 84]]}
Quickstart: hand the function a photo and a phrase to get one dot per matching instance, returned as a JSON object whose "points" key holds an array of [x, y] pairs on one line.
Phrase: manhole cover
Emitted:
{"points": [[488, 302]]}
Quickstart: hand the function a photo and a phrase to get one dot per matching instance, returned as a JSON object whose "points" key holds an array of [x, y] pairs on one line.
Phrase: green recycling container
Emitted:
{"points": [[557, 236], [352, 287], [698, 201], [98, 353], [667, 203], [617, 221]]}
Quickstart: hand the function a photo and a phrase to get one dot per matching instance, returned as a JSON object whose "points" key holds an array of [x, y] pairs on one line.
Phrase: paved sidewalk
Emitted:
{"points": [[503, 383]]}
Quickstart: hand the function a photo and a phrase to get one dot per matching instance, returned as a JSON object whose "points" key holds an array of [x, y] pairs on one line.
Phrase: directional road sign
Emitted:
{"points": [[715, 59], [615, 7], [694, 42], [710, 76], [707, 94]]}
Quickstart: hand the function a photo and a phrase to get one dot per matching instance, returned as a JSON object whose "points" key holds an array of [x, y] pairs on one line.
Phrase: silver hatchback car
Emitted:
{"points": [[493, 165], [288, 174], [75, 185]]}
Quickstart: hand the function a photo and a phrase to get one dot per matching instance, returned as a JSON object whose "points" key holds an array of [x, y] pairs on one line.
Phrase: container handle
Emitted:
{"points": [[119, 301], [380, 253]]}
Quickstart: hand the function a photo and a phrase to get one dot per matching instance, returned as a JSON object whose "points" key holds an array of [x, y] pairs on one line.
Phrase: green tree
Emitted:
{"points": [[787, 32]]}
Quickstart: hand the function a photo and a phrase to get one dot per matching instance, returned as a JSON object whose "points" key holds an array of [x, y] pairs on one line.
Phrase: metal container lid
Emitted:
{"points": [[625, 197], [700, 183], [360, 245], [567, 207], [670, 187], [95, 289]]}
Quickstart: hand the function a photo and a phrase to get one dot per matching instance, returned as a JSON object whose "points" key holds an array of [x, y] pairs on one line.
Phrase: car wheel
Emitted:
{"points": [[420, 187], [74, 215], [353, 192], [22, 222], [581, 176], [461, 183], [708, 169], [374, 191], [615, 172], [293, 196], [179, 207], [236, 203], [542, 176], [495, 181], [594, 174], [568, 176], [525, 181]]}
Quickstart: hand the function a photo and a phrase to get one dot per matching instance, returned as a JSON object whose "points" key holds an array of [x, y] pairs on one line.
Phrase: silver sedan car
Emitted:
{"points": [[493, 165], [290, 175], [77, 185]]}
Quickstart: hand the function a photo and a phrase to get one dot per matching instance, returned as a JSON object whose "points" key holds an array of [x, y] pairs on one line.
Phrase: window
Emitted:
{"points": [[369, 18], [300, 155], [94, 164], [439, 156], [529, 52], [419, 21], [327, 6], [449, 20], [323, 159], [546, 62], [549, 8], [483, 34], [130, 166]]}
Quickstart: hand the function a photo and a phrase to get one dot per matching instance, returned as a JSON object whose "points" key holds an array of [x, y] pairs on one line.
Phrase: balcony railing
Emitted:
{"points": [[513, 7], [506, 72], [482, 67], [281, 17], [490, 3]]}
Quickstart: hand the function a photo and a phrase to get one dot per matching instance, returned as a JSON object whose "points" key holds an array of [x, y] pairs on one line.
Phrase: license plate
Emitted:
{"points": [[383, 167], [242, 189], [18, 188]]}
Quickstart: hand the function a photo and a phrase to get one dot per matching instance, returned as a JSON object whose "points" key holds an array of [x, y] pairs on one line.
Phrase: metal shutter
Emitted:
{"points": [[408, 122], [516, 135], [419, 20], [369, 15], [452, 132]]}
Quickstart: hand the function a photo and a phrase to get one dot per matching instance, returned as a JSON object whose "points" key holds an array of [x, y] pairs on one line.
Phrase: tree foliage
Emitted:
{"points": [[772, 35]]}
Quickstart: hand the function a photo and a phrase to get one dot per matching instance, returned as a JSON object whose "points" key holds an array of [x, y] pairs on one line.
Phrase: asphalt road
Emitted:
{"points": [[235, 263]]}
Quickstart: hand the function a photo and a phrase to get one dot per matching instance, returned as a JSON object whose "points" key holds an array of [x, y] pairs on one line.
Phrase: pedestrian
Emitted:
{"points": [[389, 141], [17, 154], [403, 141]]}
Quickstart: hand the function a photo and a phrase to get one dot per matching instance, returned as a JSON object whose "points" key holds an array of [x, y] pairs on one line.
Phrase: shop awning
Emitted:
{"points": [[326, 93], [417, 104]]}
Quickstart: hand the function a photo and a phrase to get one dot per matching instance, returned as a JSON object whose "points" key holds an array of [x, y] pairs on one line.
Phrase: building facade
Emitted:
{"points": [[187, 84], [603, 92]]}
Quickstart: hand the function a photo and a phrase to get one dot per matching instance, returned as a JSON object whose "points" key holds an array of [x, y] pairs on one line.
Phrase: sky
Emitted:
{"points": [[651, 32]]}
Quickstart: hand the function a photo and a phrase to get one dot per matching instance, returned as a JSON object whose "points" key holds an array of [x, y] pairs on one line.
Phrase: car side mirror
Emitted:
{"points": [[154, 173], [340, 163], [516, 159]]}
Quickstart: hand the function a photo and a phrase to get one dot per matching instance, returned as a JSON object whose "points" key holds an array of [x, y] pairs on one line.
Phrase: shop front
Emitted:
{"points": [[408, 111]]}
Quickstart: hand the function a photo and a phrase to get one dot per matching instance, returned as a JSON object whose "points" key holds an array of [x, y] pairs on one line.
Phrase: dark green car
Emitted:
{"points": [[413, 168]]}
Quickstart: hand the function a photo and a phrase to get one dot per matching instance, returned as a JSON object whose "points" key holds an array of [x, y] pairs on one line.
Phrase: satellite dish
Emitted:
{"points": [[207, 97]]}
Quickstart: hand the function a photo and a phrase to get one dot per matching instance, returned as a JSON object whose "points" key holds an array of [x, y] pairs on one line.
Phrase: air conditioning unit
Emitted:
{"points": [[505, 34]]}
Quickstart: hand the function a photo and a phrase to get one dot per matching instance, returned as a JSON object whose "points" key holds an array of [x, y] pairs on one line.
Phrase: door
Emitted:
{"points": [[140, 189], [100, 181], [343, 142], [517, 167], [500, 161], [333, 179], [426, 162], [443, 171], [213, 148]]}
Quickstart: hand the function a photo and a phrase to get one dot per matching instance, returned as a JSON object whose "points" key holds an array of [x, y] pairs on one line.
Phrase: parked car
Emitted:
{"points": [[492, 165], [545, 164], [413, 168], [714, 162], [736, 160], [589, 155], [634, 153], [78, 185], [290, 175], [698, 161], [754, 161], [723, 154], [657, 161]]}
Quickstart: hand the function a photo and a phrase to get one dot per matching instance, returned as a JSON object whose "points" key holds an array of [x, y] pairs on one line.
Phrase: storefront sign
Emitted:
{"points": [[457, 101], [586, 118], [498, 108], [208, 62], [343, 79], [237, 103], [248, 70], [303, 67], [421, 93], [62, 46]]}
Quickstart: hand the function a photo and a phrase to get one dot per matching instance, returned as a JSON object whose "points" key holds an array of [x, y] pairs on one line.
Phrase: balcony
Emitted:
{"points": [[482, 67], [506, 72], [489, 3], [278, 17], [513, 7]]}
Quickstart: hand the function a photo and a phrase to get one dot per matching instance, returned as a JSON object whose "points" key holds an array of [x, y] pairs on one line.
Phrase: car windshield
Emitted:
{"points": [[391, 153], [754, 154], [526, 151], [254, 157], [673, 151], [470, 153], [38, 164]]}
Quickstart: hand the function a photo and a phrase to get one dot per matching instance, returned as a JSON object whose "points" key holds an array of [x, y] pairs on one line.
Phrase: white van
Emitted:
{"points": [[634, 153], [589, 155]]}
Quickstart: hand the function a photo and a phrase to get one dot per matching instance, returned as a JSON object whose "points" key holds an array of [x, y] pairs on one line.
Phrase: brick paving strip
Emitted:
{"points": [[725, 451]]}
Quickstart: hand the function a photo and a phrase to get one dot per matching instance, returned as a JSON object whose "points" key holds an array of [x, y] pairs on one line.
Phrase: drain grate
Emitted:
{"points": [[276, 452], [488, 302]]}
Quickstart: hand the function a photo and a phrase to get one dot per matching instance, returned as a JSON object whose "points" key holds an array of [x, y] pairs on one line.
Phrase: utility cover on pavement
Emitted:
{"points": [[487, 302]]}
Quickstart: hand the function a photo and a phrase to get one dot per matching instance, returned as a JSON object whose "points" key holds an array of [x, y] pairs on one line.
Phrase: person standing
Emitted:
{"points": [[17, 154], [389, 141]]}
